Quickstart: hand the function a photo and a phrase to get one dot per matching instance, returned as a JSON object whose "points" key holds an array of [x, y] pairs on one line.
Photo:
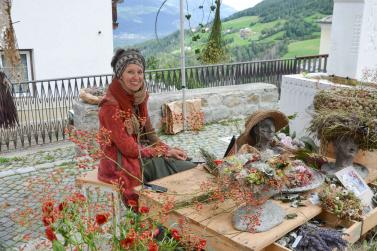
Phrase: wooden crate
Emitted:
{"points": [[370, 219], [352, 230], [215, 224]]}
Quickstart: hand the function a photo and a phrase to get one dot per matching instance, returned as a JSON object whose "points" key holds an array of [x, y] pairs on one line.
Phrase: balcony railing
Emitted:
{"points": [[43, 105]]}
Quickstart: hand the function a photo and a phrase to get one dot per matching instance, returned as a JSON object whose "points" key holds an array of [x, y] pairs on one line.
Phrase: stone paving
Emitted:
{"points": [[22, 174]]}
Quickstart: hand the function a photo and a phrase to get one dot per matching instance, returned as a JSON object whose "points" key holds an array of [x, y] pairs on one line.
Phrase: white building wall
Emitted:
{"points": [[325, 43], [368, 43], [345, 35], [354, 38], [67, 37]]}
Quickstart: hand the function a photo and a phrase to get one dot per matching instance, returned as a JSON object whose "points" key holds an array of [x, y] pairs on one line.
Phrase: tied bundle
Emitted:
{"points": [[346, 113]]}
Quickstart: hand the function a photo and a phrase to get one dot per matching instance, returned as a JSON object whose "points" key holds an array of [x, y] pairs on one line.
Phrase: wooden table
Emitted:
{"points": [[215, 224]]}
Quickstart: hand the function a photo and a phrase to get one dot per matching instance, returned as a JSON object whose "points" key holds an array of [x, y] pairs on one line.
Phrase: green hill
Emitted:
{"points": [[271, 29]]}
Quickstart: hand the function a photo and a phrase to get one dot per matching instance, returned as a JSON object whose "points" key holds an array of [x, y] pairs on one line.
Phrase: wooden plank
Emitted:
{"points": [[216, 224], [352, 231], [183, 186], [370, 219], [91, 178], [276, 247], [258, 241], [353, 228]]}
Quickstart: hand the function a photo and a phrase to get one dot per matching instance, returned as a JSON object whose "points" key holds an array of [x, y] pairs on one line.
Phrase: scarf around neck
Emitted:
{"points": [[129, 102]]}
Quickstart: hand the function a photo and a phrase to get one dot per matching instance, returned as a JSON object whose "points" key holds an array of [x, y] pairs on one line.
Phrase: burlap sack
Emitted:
{"points": [[173, 117]]}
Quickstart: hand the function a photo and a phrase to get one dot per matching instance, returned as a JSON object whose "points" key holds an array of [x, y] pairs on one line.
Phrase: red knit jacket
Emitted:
{"points": [[127, 144]]}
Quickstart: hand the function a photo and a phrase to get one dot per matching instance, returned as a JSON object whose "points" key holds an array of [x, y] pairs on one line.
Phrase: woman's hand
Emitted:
{"points": [[177, 154]]}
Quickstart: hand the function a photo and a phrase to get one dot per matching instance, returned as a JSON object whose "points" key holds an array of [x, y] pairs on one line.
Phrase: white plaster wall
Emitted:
{"points": [[368, 50], [325, 43], [64, 36], [345, 37], [297, 95]]}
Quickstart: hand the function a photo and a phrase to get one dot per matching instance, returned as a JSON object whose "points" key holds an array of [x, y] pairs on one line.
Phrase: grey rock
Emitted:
{"points": [[270, 215]]}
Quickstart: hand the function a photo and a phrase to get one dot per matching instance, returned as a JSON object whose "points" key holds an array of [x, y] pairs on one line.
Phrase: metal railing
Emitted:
{"points": [[43, 105]]}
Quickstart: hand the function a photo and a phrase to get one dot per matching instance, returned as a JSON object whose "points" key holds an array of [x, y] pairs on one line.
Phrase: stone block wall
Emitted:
{"points": [[218, 103]]}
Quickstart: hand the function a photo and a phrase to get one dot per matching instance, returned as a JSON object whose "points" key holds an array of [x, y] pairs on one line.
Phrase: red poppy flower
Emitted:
{"points": [[126, 243], [132, 203], [62, 206], [102, 218], [47, 207], [79, 197], [175, 234], [218, 161], [50, 234], [144, 210], [48, 220], [152, 246], [202, 244]]}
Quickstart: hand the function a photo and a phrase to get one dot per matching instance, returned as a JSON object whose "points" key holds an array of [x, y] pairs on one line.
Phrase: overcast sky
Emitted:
{"points": [[241, 4]]}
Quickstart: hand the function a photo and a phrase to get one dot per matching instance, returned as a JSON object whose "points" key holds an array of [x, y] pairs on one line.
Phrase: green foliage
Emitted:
{"points": [[4, 160], [270, 10], [152, 63], [302, 48], [299, 28], [279, 28]]}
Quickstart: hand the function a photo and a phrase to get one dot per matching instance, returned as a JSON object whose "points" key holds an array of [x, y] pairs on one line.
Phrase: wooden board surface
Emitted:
{"points": [[215, 224], [91, 178]]}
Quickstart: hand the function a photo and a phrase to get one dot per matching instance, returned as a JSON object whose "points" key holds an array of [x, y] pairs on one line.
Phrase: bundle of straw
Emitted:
{"points": [[330, 124]]}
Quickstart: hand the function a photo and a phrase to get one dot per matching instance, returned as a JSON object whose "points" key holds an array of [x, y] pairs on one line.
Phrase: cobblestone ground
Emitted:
{"points": [[23, 175]]}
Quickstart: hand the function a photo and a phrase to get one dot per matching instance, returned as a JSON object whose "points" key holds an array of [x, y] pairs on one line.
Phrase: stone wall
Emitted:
{"points": [[218, 103]]}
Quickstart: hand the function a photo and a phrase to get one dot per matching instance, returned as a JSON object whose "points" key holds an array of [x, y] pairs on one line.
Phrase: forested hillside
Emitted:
{"points": [[271, 29]]}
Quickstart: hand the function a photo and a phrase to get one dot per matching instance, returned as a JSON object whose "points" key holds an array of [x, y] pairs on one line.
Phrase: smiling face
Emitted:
{"points": [[133, 77]]}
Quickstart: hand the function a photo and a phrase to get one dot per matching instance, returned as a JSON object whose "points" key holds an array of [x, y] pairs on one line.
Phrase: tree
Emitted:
{"points": [[152, 63]]}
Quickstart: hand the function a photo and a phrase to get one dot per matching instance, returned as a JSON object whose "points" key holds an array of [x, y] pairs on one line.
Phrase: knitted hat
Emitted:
{"points": [[279, 119], [122, 58]]}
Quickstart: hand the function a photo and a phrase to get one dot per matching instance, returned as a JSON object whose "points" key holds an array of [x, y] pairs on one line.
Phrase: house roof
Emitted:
{"points": [[326, 20]]}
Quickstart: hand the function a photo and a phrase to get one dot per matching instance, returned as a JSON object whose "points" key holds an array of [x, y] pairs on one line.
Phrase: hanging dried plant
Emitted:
{"points": [[214, 51], [8, 111], [8, 43]]}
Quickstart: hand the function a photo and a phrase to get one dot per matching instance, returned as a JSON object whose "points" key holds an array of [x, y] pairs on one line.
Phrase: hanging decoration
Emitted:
{"points": [[8, 44]]}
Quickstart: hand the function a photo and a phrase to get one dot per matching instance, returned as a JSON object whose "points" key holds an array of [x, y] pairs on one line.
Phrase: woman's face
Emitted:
{"points": [[133, 77]]}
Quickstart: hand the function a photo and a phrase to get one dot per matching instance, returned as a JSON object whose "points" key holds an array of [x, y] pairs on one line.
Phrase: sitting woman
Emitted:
{"points": [[135, 154], [260, 129]]}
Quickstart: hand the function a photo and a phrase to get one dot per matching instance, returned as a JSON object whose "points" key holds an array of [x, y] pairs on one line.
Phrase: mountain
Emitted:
{"points": [[271, 29], [270, 10], [136, 19]]}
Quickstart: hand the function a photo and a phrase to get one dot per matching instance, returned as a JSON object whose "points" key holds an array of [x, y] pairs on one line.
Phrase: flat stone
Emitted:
{"points": [[270, 215], [6, 173]]}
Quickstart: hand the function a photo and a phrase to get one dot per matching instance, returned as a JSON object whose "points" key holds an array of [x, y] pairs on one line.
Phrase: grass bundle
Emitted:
{"points": [[210, 164], [330, 124], [360, 100]]}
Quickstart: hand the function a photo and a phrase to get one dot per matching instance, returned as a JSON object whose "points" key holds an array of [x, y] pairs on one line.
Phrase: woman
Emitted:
{"points": [[123, 112]]}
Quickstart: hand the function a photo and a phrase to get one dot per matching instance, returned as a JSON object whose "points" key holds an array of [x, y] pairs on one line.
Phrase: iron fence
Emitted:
{"points": [[43, 105]]}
